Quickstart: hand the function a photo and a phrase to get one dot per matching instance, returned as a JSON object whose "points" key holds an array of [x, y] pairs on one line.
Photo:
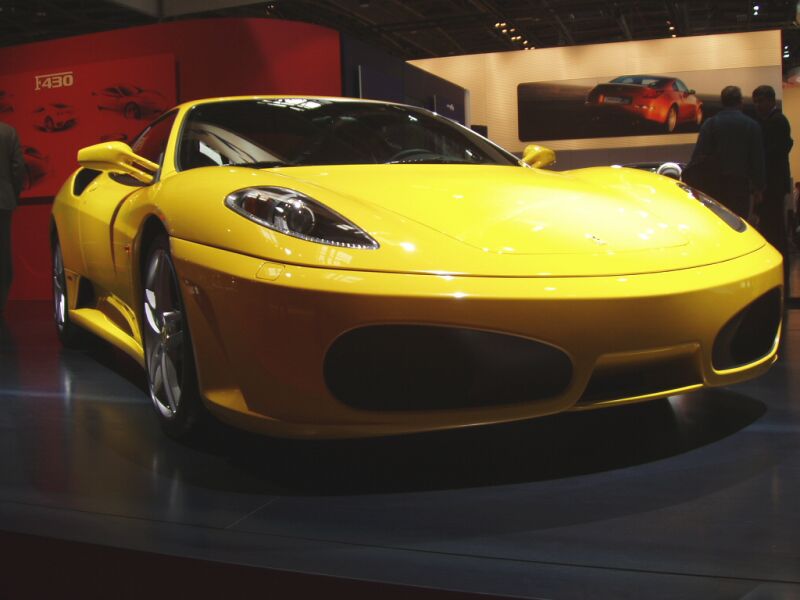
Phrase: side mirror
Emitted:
{"points": [[538, 156], [118, 158]]}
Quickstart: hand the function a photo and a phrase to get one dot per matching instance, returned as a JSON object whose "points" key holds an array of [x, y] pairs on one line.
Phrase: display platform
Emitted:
{"points": [[691, 497]]}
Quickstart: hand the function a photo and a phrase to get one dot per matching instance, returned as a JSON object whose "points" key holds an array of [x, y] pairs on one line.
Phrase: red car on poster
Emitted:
{"points": [[36, 166], [56, 116], [132, 101], [663, 100]]}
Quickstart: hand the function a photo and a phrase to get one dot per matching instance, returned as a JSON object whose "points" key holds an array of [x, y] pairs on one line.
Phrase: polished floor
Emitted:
{"points": [[697, 496]]}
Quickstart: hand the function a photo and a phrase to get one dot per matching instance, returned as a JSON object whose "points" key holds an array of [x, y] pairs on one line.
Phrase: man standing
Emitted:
{"points": [[776, 135], [12, 169], [732, 142]]}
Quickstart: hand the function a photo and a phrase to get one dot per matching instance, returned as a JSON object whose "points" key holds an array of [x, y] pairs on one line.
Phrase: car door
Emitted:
{"points": [[686, 106], [105, 241]]}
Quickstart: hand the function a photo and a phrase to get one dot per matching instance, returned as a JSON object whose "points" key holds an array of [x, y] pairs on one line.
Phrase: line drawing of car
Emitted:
{"points": [[36, 166], [328, 268], [55, 116], [654, 98], [5, 102], [133, 101], [114, 136]]}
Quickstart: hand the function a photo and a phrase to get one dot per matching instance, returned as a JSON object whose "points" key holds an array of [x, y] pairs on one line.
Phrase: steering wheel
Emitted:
{"points": [[399, 156]]}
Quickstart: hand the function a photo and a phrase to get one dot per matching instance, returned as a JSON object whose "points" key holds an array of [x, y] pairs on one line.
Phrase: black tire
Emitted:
{"points": [[168, 353], [671, 122], [69, 334]]}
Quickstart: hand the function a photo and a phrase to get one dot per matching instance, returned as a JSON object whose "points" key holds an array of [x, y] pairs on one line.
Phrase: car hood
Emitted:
{"points": [[515, 210], [482, 220]]}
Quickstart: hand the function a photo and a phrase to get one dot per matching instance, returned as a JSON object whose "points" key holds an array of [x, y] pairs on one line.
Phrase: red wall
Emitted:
{"points": [[214, 57]]}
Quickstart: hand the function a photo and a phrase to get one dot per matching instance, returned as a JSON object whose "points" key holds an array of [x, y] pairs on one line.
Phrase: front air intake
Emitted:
{"points": [[749, 335], [420, 367]]}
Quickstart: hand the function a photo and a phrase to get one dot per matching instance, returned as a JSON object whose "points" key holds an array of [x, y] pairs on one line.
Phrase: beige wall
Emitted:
{"points": [[492, 79]]}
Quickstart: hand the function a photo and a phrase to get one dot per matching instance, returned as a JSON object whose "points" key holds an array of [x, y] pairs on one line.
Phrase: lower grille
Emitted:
{"points": [[614, 382], [419, 367]]}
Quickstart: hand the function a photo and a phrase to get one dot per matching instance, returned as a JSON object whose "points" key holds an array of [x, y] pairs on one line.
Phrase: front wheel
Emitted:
{"points": [[169, 361], [68, 333]]}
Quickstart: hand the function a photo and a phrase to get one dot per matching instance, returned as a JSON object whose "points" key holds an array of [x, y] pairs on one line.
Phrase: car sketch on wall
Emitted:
{"points": [[319, 267], [36, 166], [5, 102], [53, 117], [114, 136], [666, 101], [132, 101]]}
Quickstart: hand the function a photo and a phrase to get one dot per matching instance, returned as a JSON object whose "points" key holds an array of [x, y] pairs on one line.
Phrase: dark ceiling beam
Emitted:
{"points": [[559, 23], [459, 48], [372, 26], [494, 14], [618, 15], [678, 17]]}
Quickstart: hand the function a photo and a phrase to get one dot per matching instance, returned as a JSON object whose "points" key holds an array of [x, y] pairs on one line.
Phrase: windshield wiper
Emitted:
{"points": [[262, 164], [431, 160]]}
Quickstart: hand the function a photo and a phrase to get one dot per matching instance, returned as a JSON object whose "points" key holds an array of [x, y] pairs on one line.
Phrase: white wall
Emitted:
{"points": [[492, 79]]}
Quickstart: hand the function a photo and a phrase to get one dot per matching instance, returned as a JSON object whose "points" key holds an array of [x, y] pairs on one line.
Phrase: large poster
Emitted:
{"points": [[628, 104], [60, 110]]}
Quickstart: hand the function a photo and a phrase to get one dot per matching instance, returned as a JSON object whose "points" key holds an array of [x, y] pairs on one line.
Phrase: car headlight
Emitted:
{"points": [[296, 214], [733, 220]]}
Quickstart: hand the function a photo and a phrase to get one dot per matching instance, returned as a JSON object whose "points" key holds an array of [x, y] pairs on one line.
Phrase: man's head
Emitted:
{"points": [[731, 97], [764, 99]]}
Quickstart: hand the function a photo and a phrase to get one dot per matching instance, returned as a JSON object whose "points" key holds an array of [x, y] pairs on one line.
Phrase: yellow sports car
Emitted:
{"points": [[321, 267]]}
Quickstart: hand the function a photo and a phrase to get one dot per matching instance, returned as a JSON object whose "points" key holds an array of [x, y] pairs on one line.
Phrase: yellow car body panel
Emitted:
{"points": [[620, 270]]}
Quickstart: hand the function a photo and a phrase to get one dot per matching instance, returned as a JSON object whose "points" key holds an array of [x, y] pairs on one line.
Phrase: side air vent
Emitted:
{"points": [[83, 179], [749, 335]]}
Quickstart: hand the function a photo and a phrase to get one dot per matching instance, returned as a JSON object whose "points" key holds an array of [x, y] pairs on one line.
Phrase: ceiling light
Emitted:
{"points": [[672, 27], [505, 30]]}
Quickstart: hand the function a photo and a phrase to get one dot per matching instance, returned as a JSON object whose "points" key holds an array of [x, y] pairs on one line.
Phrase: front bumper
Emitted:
{"points": [[263, 334]]}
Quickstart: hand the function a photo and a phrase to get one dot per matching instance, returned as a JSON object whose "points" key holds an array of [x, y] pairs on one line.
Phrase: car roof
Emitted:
{"points": [[201, 101]]}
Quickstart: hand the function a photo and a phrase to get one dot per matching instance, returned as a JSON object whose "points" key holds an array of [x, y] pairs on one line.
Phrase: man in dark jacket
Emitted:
{"points": [[776, 135], [734, 141], [12, 170]]}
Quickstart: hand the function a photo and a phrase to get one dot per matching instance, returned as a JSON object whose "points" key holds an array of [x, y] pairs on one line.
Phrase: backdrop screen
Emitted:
{"points": [[58, 111]]}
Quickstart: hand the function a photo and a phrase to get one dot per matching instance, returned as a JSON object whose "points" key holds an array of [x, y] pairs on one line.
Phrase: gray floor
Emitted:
{"points": [[692, 497]]}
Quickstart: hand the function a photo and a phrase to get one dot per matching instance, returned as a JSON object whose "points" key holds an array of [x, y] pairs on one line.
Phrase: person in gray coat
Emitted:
{"points": [[12, 173]]}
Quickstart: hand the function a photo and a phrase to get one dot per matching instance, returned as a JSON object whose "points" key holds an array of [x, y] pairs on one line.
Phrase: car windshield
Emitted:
{"points": [[301, 131], [652, 82]]}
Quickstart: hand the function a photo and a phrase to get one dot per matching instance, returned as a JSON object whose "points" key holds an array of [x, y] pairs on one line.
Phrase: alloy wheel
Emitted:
{"points": [[163, 334], [59, 289]]}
